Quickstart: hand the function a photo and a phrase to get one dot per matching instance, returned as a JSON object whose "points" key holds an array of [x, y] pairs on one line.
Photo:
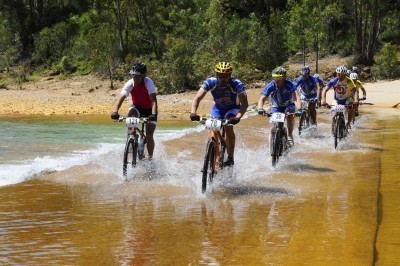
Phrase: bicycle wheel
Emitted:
{"points": [[276, 145], [342, 128], [339, 129], [208, 166], [130, 155], [303, 123]]}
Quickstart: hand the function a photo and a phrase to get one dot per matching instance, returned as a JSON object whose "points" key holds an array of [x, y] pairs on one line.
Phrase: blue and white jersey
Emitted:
{"points": [[280, 97], [307, 86], [225, 98]]}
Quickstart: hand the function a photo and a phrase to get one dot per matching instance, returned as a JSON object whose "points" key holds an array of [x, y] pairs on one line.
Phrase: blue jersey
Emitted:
{"points": [[307, 86], [282, 97], [225, 98]]}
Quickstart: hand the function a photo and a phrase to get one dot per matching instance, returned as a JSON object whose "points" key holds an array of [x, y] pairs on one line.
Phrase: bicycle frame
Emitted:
{"points": [[135, 141], [278, 132], [339, 122], [133, 133], [217, 134], [215, 149]]}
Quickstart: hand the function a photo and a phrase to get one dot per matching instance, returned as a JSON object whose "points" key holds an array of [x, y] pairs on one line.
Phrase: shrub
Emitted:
{"points": [[387, 65]]}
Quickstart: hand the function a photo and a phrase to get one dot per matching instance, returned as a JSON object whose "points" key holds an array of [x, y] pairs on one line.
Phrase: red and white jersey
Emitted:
{"points": [[140, 93]]}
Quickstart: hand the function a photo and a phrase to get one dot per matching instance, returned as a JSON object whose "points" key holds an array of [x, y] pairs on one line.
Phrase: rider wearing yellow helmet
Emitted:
{"points": [[283, 96], [230, 102]]}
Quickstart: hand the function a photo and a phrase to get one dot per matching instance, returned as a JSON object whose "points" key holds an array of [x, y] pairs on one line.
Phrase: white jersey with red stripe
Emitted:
{"points": [[140, 93]]}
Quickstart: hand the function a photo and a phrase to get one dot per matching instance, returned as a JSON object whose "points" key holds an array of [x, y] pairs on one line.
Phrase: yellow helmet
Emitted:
{"points": [[223, 67]]}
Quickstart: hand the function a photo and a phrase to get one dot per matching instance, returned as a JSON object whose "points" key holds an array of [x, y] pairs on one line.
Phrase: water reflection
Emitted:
{"points": [[318, 207]]}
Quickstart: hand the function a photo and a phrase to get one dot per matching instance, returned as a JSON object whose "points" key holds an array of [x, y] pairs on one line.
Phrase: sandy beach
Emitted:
{"points": [[89, 95]]}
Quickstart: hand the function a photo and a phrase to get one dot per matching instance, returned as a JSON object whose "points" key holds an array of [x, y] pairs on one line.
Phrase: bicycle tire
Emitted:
{"points": [[130, 155], [303, 122], [276, 148], [208, 166], [336, 131]]}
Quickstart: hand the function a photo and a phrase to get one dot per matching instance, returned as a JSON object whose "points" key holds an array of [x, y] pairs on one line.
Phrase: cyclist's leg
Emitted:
{"points": [[313, 111], [230, 134], [150, 128], [350, 111], [290, 122]]}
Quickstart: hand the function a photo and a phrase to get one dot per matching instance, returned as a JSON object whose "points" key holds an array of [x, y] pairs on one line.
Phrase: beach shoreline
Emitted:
{"points": [[86, 95]]}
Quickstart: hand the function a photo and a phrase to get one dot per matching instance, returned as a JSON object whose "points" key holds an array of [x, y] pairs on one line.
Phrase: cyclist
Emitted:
{"points": [[359, 85], [230, 102], [321, 84], [283, 96], [309, 89], [354, 69], [345, 93], [144, 101]]}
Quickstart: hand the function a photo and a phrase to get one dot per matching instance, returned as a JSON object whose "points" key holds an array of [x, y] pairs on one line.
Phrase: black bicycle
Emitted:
{"points": [[279, 136], [215, 150], [305, 117], [339, 129], [135, 141]]}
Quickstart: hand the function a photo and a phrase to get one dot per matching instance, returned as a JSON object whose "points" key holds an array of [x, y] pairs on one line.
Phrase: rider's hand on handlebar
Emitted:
{"points": [[114, 115], [324, 104], [363, 98], [194, 117], [152, 117], [261, 111], [233, 120]]}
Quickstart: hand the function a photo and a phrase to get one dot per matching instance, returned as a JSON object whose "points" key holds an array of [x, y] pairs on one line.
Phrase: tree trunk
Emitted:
{"points": [[121, 42]]}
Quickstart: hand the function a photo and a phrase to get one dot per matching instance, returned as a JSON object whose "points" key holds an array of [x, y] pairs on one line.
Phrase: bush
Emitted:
{"points": [[387, 65]]}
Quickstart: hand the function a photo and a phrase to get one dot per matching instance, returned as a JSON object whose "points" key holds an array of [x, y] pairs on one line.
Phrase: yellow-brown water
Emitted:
{"points": [[318, 207]]}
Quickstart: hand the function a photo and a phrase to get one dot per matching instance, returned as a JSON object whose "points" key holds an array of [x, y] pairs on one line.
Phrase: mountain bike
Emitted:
{"points": [[339, 129], [279, 136], [215, 150], [135, 141], [305, 117]]}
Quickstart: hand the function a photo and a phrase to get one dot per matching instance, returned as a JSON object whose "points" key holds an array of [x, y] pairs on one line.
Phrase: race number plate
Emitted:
{"points": [[213, 124], [339, 108], [132, 122], [277, 117]]}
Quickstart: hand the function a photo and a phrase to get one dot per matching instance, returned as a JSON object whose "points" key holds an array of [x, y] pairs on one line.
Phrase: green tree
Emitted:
{"points": [[387, 63]]}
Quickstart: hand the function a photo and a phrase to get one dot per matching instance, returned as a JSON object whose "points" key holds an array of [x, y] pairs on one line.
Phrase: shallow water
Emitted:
{"points": [[318, 206]]}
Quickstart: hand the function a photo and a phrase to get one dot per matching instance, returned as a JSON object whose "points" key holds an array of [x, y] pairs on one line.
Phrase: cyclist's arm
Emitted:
{"points": [[324, 94], [261, 101], [154, 108], [318, 90], [243, 104], [364, 92], [197, 99], [296, 96], [121, 99]]}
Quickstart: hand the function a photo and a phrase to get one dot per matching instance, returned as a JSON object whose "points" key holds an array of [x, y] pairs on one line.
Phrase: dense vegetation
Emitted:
{"points": [[181, 40]]}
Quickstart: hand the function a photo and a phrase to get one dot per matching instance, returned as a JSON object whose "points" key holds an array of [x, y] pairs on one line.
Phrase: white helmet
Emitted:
{"points": [[341, 70], [354, 76]]}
